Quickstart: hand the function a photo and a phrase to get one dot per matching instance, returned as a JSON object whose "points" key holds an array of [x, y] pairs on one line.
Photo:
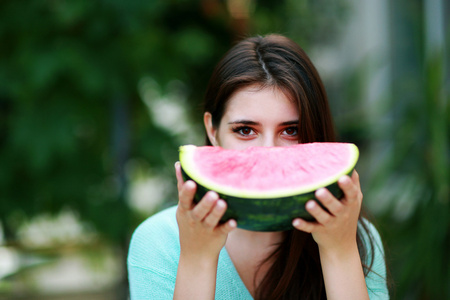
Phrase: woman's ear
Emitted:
{"points": [[210, 130]]}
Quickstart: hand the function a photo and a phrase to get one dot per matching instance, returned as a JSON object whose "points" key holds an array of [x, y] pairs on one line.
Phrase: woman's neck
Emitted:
{"points": [[249, 251], [255, 239]]}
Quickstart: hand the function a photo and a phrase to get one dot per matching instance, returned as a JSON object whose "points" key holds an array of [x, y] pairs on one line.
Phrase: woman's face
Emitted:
{"points": [[255, 117]]}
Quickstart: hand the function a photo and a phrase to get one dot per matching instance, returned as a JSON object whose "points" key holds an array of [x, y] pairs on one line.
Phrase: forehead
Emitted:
{"points": [[253, 100]]}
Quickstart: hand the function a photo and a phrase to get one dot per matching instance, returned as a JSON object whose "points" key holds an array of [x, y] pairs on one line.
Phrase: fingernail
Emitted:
{"points": [[190, 184], [220, 204], [296, 223], [232, 223], [311, 204], [320, 192], [344, 179], [213, 195]]}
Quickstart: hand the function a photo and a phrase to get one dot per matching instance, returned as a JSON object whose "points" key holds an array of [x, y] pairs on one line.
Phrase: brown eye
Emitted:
{"points": [[244, 131], [291, 131]]}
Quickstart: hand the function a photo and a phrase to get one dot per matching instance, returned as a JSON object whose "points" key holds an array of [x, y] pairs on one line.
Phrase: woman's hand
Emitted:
{"points": [[201, 234], [201, 239], [335, 234], [335, 230]]}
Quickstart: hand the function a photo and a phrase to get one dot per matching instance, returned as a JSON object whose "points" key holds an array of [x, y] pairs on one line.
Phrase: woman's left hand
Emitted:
{"points": [[336, 229]]}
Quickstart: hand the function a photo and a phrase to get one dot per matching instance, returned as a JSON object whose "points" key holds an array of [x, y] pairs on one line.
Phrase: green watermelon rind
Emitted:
{"points": [[265, 214], [187, 152]]}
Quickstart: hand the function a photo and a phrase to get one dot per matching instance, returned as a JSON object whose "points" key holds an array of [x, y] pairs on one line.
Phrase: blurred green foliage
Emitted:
{"points": [[414, 173], [72, 116], [70, 110]]}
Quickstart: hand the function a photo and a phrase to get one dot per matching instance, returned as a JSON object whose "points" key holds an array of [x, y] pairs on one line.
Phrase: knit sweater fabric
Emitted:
{"points": [[155, 249]]}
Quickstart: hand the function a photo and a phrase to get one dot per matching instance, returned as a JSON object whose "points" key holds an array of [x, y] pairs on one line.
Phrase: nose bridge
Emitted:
{"points": [[269, 140]]}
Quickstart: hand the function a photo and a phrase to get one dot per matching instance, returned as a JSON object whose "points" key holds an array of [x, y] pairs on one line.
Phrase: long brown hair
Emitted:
{"points": [[276, 61]]}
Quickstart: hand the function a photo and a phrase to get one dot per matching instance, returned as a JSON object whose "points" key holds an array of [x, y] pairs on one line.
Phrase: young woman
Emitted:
{"points": [[265, 92]]}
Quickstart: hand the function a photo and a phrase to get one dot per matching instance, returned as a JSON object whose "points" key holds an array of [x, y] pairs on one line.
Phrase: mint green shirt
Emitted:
{"points": [[155, 250]]}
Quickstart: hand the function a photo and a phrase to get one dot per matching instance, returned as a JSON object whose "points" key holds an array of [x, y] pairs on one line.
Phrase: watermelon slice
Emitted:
{"points": [[267, 187]]}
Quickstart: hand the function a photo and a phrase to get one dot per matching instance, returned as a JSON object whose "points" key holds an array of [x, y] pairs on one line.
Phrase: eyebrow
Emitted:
{"points": [[248, 122], [293, 122]]}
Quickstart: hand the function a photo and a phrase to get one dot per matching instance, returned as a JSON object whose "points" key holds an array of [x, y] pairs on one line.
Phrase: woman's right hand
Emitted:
{"points": [[201, 239], [201, 234]]}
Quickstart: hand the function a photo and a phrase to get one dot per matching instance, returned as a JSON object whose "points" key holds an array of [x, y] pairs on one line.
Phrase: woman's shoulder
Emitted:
{"points": [[370, 233], [376, 278], [164, 219], [157, 235]]}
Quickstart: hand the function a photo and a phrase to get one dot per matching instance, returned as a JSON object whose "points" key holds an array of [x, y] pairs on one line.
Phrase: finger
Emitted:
{"points": [[350, 189], [318, 212], [355, 179], [186, 195], [216, 213], [205, 206], [305, 226], [327, 199], [180, 180], [228, 226]]}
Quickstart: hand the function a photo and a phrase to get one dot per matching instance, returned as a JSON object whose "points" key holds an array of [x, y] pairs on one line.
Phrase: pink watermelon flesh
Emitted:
{"points": [[259, 170]]}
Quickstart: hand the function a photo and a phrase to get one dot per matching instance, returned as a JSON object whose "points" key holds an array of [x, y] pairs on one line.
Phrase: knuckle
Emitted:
{"points": [[307, 228], [181, 194], [326, 199], [218, 210], [353, 192], [225, 228], [209, 222], [192, 222], [184, 193], [345, 215], [325, 220], [213, 218], [196, 215], [178, 216], [338, 209], [183, 204]]}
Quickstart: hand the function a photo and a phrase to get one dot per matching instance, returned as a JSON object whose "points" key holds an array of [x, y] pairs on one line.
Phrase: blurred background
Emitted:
{"points": [[96, 96]]}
